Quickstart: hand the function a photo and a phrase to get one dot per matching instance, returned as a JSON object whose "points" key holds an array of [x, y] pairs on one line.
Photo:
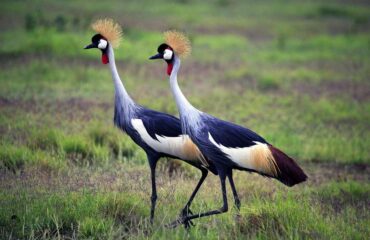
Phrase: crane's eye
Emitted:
{"points": [[102, 44], [167, 54]]}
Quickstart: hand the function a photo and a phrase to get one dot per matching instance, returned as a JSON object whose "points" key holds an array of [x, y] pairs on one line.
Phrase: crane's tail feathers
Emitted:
{"points": [[287, 170]]}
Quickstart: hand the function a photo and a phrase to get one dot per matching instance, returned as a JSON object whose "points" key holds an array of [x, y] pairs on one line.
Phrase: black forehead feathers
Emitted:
{"points": [[163, 47], [97, 37]]}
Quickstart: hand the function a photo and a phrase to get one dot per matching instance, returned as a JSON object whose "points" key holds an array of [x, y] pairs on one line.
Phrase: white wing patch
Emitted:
{"points": [[257, 157], [180, 146]]}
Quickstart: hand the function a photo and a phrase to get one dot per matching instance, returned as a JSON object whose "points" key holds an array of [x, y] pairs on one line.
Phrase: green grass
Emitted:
{"points": [[335, 211], [82, 215], [295, 72], [13, 158]]}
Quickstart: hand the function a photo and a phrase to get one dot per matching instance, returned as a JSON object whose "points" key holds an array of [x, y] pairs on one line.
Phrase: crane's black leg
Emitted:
{"points": [[153, 163], [233, 189], [186, 210], [223, 209]]}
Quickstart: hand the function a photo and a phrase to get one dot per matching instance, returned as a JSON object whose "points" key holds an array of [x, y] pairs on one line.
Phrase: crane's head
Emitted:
{"points": [[177, 44], [108, 33]]}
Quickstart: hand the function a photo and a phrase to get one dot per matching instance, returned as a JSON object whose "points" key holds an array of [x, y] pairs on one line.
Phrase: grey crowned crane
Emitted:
{"points": [[226, 146], [158, 134]]}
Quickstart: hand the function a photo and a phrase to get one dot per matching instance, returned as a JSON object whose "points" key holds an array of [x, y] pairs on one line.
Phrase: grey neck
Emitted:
{"points": [[189, 115], [124, 106], [121, 93]]}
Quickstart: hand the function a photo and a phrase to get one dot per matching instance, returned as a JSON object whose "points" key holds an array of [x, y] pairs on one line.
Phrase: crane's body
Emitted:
{"points": [[228, 145], [225, 145], [158, 134]]}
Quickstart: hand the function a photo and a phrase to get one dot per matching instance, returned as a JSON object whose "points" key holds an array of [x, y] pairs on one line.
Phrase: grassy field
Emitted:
{"points": [[296, 72]]}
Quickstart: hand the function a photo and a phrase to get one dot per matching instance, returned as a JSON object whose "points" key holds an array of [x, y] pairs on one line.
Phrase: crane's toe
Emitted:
{"points": [[181, 220], [186, 212], [175, 223], [188, 224]]}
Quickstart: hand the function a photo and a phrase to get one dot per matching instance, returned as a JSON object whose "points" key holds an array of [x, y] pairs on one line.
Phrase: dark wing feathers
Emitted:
{"points": [[162, 124], [232, 135], [224, 133]]}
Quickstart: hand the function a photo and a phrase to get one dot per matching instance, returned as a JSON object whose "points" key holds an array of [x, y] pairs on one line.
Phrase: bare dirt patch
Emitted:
{"points": [[111, 179], [69, 108], [319, 173], [355, 90], [9, 60], [347, 199], [257, 34]]}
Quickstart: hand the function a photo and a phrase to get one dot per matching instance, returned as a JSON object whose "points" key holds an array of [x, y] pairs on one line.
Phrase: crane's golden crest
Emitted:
{"points": [[178, 42], [109, 29]]}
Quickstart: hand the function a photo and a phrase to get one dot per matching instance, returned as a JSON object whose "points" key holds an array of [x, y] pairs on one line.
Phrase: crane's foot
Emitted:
{"points": [[175, 223], [188, 224], [181, 220], [184, 213]]}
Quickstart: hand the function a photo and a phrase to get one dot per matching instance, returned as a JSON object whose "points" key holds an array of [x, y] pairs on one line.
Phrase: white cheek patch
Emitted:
{"points": [[167, 55], [102, 44]]}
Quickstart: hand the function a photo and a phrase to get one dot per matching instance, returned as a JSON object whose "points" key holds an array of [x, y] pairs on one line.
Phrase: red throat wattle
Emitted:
{"points": [[169, 68], [104, 58]]}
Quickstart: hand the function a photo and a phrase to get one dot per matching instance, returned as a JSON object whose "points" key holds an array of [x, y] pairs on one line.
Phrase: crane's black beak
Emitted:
{"points": [[157, 56], [92, 45]]}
